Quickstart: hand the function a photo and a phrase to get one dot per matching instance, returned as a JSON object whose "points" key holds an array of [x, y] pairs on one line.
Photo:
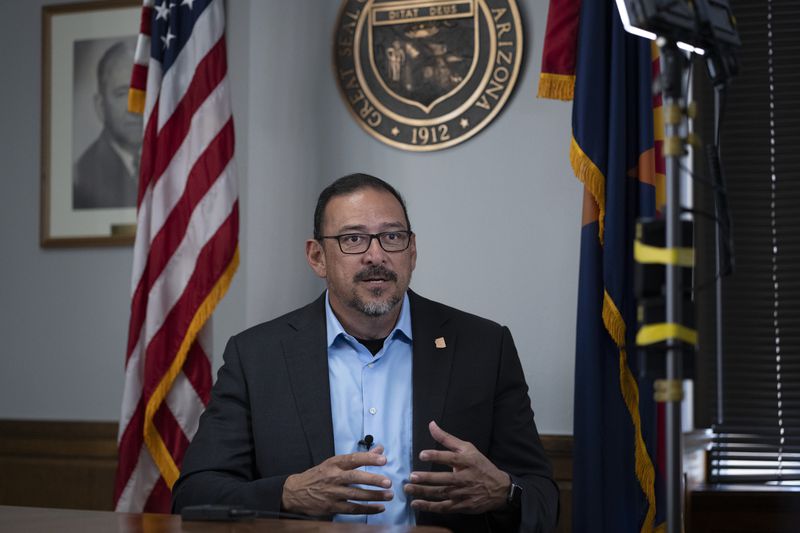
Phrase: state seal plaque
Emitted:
{"points": [[424, 75]]}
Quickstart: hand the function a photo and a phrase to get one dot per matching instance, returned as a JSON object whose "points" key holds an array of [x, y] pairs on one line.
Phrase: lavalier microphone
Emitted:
{"points": [[366, 441]]}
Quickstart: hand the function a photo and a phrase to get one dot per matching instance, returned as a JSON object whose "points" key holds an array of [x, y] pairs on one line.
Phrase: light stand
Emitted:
{"points": [[705, 27], [670, 390]]}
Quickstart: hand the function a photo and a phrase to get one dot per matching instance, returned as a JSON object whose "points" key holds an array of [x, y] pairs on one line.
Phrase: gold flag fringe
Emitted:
{"points": [[588, 173], [155, 444], [595, 182], [556, 86], [645, 471]]}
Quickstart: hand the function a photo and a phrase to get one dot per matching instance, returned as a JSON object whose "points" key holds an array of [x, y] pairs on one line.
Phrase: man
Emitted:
{"points": [[106, 174], [299, 400]]}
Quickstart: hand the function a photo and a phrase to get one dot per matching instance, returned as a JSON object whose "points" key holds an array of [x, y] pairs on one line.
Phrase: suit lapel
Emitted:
{"points": [[433, 344], [306, 358]]}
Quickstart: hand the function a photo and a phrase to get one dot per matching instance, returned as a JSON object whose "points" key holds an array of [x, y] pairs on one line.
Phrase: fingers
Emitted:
{"points": [[359, 477], [358, 494], [378, 449], [358, 508], [444, 438], [442, 498], [352, 461], [337, 485], [352, 500], [437, 499], [435, 493], [474, 485], [436, 478], [446, 506], [441, 457]]}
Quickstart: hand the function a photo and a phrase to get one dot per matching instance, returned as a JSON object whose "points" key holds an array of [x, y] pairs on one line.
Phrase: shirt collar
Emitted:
{"points": [[125, 156], [335, 329]]}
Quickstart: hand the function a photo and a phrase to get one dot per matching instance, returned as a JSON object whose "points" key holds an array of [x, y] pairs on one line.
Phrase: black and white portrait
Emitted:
{"points": [[107, 139]]}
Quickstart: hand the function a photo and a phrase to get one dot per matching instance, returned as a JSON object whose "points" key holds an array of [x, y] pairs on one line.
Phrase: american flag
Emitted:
{"points": [[186, 248]]}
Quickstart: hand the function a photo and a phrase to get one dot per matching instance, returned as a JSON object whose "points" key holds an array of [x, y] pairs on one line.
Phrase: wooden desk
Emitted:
{"points": [[42, 520], [744, 509]]}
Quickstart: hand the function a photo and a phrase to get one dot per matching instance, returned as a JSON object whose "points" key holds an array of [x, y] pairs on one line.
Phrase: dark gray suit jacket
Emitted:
{"points": [[101, 179], [269, 414]]}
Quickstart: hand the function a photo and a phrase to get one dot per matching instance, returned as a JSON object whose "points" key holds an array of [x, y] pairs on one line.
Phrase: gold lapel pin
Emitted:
{"points": [[439, 342]]}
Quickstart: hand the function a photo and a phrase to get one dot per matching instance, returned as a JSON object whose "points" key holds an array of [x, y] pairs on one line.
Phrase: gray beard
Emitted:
{"points": [[374, 309]]}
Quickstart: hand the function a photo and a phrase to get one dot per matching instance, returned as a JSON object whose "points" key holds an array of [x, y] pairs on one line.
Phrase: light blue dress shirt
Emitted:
{"points": [[372, 396]]}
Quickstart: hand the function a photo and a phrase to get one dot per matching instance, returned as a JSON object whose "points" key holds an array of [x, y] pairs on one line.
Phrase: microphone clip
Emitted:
{"points": [[366, 442]]}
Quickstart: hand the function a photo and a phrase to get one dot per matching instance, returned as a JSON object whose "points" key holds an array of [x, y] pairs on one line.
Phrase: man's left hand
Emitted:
{"points": [[474, 486]]}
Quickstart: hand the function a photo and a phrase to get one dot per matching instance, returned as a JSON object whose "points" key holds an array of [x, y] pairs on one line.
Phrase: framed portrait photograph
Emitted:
{"points": [[91, 144]]}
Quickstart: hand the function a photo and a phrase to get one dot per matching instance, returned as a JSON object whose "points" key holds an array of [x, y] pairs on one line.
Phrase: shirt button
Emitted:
{"points": [[371, 365], [372, 410]]}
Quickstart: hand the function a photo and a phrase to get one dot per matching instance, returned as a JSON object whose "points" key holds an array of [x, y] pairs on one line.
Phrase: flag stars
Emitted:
{"points": [[166, 39], [189, 3], [162, 11]]}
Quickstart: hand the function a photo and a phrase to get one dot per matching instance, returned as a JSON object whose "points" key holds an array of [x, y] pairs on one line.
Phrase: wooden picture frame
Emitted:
{"points": [[89, 151]]}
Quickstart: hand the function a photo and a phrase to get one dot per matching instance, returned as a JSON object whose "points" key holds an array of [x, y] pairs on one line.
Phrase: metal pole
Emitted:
{"points": [[673, 393], [720, 416]]}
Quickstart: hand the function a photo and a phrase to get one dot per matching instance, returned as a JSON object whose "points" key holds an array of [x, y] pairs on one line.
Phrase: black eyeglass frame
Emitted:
{"points": [[371, 236]]}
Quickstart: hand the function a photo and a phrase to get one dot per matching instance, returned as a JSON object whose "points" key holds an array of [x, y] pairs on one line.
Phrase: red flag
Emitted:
{"points": [[186, 248], [557, 77]]}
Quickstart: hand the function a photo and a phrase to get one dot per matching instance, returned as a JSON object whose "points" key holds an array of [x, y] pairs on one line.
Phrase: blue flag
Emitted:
{"points": [[614, 153]]}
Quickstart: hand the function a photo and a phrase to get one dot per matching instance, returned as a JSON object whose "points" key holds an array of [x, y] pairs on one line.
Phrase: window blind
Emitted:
{"points": [[757, 413]]}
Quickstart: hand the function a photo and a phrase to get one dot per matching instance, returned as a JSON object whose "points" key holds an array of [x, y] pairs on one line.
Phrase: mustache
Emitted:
{"points": [[375, 272]]}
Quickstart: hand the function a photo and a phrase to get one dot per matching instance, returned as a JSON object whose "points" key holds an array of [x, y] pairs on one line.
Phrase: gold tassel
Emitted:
{"points": [[152, 438], [588, 173], [556, 86], [645, 471]]}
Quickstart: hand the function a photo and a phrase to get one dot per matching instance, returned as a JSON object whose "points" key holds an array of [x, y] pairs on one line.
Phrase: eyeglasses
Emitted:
{"points": [[358, 243]]}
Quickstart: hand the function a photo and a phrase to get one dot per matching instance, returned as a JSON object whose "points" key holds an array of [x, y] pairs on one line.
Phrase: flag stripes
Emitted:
{"points": [[172, 228], [658, 132], [172, 133], [186, 248], [141, 58]]}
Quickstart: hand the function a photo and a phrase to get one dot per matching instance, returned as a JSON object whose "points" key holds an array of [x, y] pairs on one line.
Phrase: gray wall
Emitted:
{"points": [[497, 217]]}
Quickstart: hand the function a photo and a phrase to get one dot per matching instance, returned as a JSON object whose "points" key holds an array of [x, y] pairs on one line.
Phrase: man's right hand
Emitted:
{"points": [[328, 489]]}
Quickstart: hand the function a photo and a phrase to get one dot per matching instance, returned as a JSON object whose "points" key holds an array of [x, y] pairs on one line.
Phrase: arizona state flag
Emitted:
{"points": [[613, 152]]}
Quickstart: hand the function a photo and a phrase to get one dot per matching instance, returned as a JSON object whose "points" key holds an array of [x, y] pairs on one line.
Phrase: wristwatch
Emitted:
{"points": [[514, 497]]}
